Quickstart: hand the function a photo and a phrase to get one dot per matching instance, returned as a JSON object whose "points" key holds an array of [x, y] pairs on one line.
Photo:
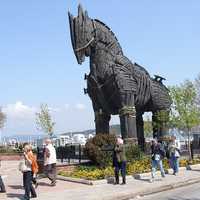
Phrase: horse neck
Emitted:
{"points": [[106, 39]]}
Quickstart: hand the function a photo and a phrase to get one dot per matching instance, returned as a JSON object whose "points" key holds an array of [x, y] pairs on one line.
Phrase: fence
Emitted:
{"points": [[71, 153], [74, 153]]}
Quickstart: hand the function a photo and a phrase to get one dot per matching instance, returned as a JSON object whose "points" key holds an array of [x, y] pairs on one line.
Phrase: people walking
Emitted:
{"points": [[50, 161], [174, 155], [156, 159], [119, 161], [28, 174]]}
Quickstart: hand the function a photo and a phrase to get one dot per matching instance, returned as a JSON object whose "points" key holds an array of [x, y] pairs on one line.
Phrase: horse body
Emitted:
{"points": [[115, 84]]}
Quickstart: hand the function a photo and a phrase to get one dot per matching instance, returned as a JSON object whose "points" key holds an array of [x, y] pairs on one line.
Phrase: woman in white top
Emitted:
{"points": [[27, 175]]}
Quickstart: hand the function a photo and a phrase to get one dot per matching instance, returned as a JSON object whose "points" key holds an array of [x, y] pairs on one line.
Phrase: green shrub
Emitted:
{"points": [[133, 152], [99, 149]]}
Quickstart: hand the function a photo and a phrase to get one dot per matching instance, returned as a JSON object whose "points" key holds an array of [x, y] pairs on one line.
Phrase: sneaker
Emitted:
{"points": [[53, 183], [36, 185], [25, 198]]}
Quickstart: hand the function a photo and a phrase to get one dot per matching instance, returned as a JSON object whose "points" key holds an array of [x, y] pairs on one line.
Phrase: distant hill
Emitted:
{"points": [[113, 129]]}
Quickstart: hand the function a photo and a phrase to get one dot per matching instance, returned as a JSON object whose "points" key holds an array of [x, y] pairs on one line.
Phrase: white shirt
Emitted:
{"points": [[178, 144], [52, 155]]}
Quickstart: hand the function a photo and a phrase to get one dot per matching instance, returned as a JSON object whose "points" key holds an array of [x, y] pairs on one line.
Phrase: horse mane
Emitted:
{"points": [[142, 69], [109, 31]]}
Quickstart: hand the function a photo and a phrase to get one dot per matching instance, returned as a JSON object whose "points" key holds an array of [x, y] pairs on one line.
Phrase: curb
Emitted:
{"points": [[75, 180], [89, 182], [167, 171], [193, 167]]}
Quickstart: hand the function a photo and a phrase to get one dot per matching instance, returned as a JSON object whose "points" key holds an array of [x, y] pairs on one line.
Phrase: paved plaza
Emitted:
{"points": [[75, 191]]}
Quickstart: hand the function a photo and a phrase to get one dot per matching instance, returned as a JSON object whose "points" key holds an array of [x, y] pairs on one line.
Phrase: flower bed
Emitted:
{"points": [[138, 166]]}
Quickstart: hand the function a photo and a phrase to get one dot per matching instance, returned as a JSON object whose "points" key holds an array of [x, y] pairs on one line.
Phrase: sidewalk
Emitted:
{"points": [[74, 191]]}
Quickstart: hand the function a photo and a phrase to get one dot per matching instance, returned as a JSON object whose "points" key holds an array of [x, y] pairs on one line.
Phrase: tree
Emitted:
{"points": [[161, 123], [185, 113], [44, 121], [197, 87], [2, 118]]}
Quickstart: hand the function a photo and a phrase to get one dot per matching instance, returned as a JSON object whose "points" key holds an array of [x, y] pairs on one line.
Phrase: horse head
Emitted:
{"points": [[82, 31]]}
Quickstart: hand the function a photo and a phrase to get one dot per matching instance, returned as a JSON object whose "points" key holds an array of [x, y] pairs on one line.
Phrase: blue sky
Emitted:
{"points": [[38, 65]]}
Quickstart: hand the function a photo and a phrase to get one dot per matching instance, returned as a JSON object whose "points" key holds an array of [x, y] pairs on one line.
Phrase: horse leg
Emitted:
{"points": [[128, 117], [140, 130], [102, 122], [159, 120]]}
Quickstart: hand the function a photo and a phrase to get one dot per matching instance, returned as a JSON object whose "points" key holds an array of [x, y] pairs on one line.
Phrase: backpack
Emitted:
{"points": [[167, 154], [162, 152]]}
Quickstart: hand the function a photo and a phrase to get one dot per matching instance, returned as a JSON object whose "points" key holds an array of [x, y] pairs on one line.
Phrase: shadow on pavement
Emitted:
{"points": [[44, 184], [14, 195], [178, 198], [16, 187], [143, 179]]}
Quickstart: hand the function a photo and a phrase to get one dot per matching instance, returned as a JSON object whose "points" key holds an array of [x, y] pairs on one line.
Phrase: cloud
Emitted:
{"points": [[19, 110], [80, 106], [21, 118], [66, 106], [54, 109]]}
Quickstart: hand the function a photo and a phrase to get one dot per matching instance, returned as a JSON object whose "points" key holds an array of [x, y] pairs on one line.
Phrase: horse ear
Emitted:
{"points": [[80, 12], [86, 16]]}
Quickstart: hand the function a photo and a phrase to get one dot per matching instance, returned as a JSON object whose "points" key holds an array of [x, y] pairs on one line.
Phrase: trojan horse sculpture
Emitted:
{"points": [[115, 84]]}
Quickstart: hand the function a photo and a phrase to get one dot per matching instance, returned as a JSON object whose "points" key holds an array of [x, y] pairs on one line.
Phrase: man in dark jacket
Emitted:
{"points": [[119, 161], [157, 155]]}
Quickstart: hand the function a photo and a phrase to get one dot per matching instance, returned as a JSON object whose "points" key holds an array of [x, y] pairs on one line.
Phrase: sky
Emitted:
{"points": [[38, 65]]}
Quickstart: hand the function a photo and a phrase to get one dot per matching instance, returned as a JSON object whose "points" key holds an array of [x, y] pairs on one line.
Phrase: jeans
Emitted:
{"points": [[155, 165], [120, 166], [2, 186], [27, 177], [174, 163]]}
